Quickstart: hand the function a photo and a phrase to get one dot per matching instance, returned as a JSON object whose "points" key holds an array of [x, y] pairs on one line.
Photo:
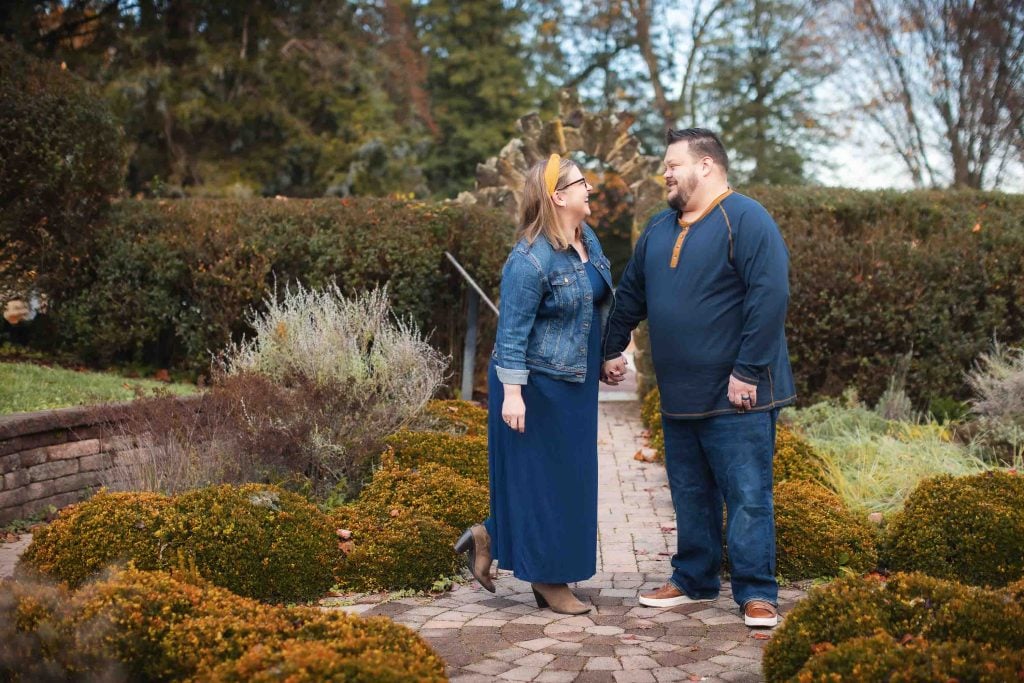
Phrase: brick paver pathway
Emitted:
{"points": [[485, 637]]}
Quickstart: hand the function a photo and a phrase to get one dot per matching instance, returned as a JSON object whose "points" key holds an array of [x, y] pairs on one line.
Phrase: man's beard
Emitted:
{"points": [[678, 201]]}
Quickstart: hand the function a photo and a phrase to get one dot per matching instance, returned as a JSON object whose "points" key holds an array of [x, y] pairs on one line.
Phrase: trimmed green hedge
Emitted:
{"points": [[878, 275], [171, 280]]}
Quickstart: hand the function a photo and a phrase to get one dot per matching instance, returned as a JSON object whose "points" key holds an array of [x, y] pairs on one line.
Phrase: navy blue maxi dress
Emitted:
{"points": [[543, 522]]}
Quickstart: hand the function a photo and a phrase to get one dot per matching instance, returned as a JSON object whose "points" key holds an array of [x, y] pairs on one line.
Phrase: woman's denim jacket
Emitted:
{"points": [[547, 306]]}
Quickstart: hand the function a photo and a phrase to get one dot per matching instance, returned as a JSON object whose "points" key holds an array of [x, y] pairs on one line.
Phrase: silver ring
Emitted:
{"points": [[745, 397]]}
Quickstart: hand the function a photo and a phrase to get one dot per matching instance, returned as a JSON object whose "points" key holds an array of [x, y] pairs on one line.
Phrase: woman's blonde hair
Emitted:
{"points": [[538, 216]]}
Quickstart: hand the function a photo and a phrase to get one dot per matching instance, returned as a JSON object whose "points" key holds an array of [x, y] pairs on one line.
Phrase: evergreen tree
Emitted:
{"points": [[479, 84], [760, 74]]}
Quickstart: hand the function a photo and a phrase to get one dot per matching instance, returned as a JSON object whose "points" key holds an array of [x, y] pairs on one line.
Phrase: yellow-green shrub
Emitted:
{"points": [[907, 604], [795, 459], [463, 418], [966, 528], [107, 528], [882, 658], [255, 540], [431, 489], [399, 550], [467, 455], [816, 535]]}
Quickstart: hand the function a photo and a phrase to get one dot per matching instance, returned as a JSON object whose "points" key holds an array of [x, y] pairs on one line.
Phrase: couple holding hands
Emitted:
{"points": [[710, 275]]}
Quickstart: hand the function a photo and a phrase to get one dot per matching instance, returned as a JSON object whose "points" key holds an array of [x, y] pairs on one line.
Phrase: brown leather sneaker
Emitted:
{"points": [[760, 613], [668, 596]]}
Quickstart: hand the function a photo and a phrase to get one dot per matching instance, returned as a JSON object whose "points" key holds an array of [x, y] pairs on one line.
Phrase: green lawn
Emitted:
{"points": [[27, 387]]}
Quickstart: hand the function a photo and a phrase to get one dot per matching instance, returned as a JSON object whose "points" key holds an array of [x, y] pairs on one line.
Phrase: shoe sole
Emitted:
{"points": [[672, 602], [763, 622]]}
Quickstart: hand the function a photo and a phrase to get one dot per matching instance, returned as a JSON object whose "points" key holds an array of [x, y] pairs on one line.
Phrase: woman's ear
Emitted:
{"points": [[558, 199]]}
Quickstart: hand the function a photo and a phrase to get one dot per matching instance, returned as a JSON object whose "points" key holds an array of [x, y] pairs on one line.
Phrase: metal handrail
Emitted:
{"points": [[472, 282]]}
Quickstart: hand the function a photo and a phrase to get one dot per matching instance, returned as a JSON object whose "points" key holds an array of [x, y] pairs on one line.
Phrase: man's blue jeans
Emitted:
{"points": [[728, 457]]}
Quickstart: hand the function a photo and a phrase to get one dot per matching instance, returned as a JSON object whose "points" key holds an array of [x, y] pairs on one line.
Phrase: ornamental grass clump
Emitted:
{"points": [[108, 528], [349, 371], [467, 455], [431, 489], [402, 549], [650, 415], [904, 608], [997, 382], [969, 529], [874, 463], [817, 536]]}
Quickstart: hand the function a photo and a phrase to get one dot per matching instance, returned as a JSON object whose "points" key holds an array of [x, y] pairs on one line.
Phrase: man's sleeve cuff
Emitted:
{"points": [[506, 376], [747, 373], [612, 356]]}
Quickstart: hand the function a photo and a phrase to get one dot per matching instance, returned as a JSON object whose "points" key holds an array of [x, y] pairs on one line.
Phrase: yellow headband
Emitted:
{"points": [[551, 172]]}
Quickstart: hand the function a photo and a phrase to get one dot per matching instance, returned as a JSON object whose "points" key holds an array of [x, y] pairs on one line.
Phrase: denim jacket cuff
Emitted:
{"points": [[506, 376]]}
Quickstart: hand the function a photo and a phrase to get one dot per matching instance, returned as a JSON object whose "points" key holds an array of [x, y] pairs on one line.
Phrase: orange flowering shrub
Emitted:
{"points": [[88, 536], [467, 455]]}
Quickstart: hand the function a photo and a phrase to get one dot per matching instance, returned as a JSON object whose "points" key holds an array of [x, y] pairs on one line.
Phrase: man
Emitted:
{"points": [[710, 274]]}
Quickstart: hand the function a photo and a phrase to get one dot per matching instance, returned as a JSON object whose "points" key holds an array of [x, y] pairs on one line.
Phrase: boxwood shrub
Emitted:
{"points": [[467, 455], [817, 535], [255, 540], [153, 626], [401, 549], [970, 529], [907, 606], [105, 529], [430, 489]]}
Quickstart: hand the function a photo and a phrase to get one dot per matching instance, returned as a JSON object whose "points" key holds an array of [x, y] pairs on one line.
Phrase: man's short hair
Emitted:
{"points": [[703, 143]]}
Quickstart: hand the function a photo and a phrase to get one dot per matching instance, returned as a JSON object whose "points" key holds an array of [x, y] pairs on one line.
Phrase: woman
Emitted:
{"points": [[542, 407]]}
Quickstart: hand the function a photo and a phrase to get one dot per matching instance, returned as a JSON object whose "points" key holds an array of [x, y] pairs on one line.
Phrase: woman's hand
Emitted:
{"points": [[513, 410]]}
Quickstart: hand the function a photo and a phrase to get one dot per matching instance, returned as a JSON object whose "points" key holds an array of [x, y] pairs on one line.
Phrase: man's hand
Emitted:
{"points": [[613, 371], [741, 394]]}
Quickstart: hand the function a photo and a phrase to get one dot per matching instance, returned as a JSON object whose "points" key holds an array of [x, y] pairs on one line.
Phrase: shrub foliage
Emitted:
{"points": [[816, 535], [153, 626], [969, 529], [255, 540], [224, 256], [467, 455], [907, 607], [61, 161]]}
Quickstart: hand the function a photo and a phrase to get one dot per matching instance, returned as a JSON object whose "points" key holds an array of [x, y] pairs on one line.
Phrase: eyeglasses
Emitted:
{"points": [[575, 182]]}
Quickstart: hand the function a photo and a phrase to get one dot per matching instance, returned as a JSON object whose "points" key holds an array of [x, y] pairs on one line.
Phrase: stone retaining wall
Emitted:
{"points": [[55, 457]]}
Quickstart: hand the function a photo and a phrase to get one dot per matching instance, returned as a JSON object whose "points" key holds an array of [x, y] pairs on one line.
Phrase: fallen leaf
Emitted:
{"points": [[695, 677], [346, 546], [395, 512], [976, 228], [666, 528], [665, 554], [645, 454], [760, 636], [344, 534]]}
